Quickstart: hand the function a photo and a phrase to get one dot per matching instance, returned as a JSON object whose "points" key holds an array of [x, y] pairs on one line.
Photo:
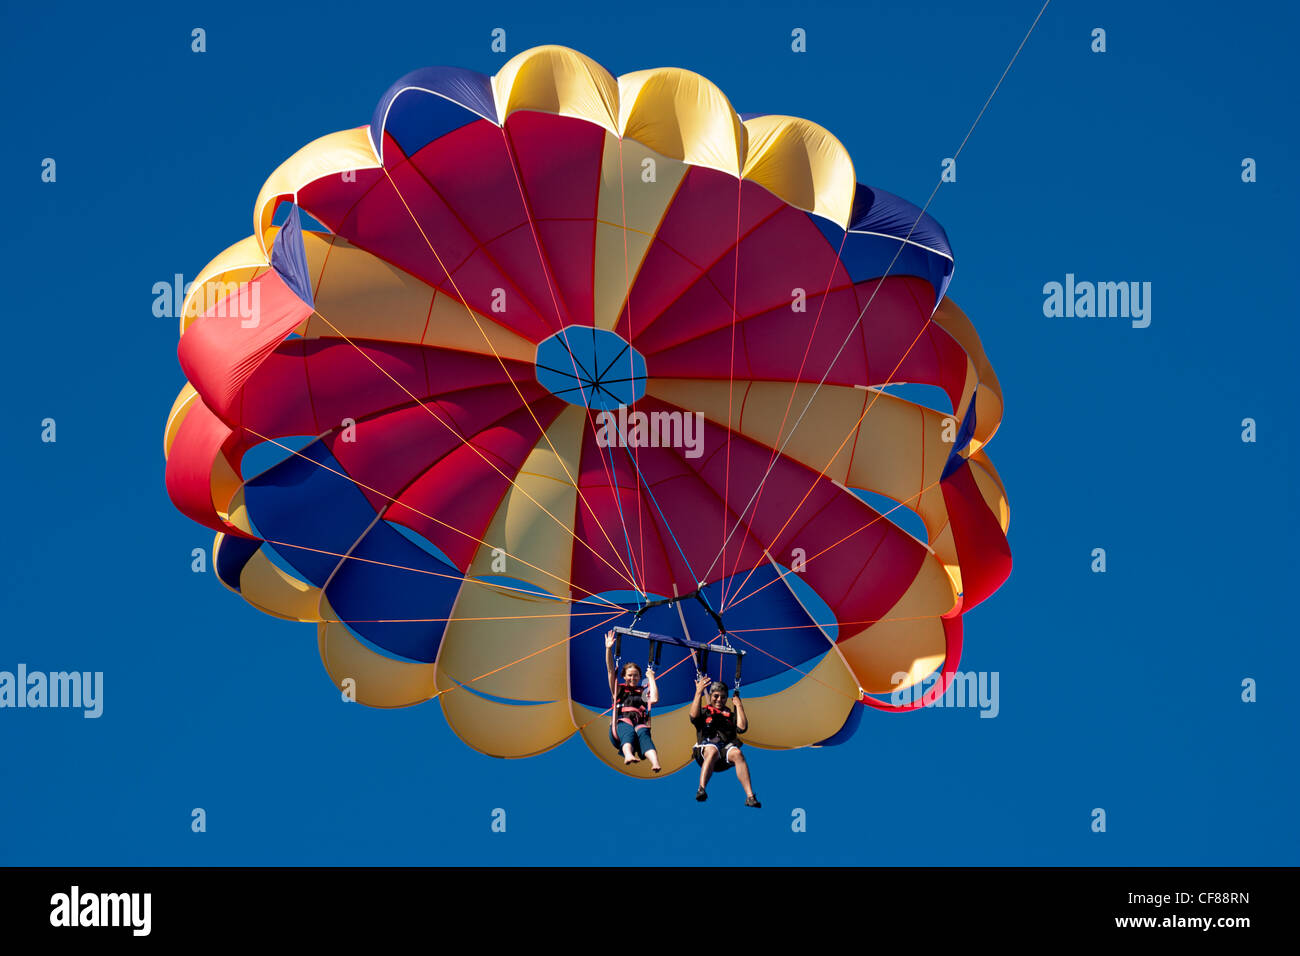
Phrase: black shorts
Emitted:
{"points": [[724, 749]]}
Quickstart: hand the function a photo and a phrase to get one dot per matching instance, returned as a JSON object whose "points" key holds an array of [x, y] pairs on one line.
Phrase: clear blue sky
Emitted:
{"points": [[1119, 691]]}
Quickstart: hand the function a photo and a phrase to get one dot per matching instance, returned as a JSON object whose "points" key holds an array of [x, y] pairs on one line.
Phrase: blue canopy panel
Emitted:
{"points": [[879, 232], [773, 621], [415, 595], [287, 503], [868, 257], [387, 577], [289, 257], [233, 554], [875, 210], [591, 367], [429, 103], [964, 435]]}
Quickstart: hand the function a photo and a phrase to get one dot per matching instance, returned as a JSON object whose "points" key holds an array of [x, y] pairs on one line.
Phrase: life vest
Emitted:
{"points": [[631, 705], [718, 722]]}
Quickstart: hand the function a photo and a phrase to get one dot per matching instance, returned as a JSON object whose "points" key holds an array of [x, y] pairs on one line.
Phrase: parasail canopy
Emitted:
{"points": [[567, 346]]}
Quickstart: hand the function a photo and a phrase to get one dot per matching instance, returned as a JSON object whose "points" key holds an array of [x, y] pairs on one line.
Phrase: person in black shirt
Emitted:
{"points": [[717, 734], [629, 729]]}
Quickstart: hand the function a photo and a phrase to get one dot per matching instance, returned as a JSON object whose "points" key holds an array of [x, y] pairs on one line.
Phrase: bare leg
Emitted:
{"points": [[737, 760], [628, 756], [709, 755], [648, 749]]}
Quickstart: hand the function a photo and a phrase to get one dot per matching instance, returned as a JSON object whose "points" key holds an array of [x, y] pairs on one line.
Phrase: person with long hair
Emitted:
{"points": [[629, 729]]}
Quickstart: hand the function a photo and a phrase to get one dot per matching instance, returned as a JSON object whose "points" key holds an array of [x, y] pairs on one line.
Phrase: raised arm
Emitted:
{"points": [[652, 692], [609, 659], [700, 684], [742, 724]]}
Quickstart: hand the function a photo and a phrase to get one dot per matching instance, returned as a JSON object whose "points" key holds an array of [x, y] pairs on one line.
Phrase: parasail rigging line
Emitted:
{"points": [[833, 623], [628, 576], [663, 517], [631, 366], [476, 449], [836, 544], [794, 387], [731, 387], [804, 673], [417, 511], [853, 431], [876, 289], [520, 660], [465, 579], [564, 340]]}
